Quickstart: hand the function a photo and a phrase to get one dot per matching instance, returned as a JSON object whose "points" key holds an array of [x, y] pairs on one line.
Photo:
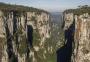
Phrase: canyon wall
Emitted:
{"points": [[80, 34], [22, 35]]}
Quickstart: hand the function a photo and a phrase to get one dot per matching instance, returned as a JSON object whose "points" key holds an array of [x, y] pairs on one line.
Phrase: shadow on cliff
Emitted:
{"points": [[30, 35], [11, 55], [29, 40], [65, 52]]}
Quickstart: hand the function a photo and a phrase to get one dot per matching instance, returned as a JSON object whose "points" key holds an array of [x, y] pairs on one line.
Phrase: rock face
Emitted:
{"points": [[80, 34], [22, 35], [82, 50]]}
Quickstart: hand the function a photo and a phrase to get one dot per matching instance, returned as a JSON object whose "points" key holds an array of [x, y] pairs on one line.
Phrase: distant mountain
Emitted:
{"points": [[56, 13], [56, 17]]}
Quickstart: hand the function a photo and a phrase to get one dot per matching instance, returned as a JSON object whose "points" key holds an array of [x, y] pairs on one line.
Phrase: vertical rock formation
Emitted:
{"points": [[2, 36], [38, 24], [22, 35], [81, 34], [14, 34], [82, 50]]}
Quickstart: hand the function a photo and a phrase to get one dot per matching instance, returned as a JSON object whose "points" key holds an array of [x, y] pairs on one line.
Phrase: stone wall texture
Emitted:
{"points": [[81, 42]]}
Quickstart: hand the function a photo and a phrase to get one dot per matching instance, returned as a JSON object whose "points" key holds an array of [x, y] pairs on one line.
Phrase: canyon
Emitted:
{"points": [[22, 34], [29, 34]]}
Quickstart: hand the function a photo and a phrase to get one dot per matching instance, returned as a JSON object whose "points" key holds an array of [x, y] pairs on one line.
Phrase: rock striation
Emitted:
{"points": [[23, 34], [80, 51]]}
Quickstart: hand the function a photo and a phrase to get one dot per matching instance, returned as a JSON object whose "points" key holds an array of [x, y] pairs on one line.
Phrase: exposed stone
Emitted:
{"points": [[14, 28], [81, 52]]}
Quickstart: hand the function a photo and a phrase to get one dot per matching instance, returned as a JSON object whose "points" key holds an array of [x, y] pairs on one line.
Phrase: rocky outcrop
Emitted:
{"points": [[82, 51], [41, 32], [80, 44], [22, 34]]}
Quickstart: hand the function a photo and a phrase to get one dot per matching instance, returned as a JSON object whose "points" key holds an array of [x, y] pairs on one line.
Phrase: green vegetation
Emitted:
{"points": [[51, 58], [9, 7], [80, 10], [36, 37], [22, 46], [19, 31], [55, 42], [2, 42], [33, 18]]}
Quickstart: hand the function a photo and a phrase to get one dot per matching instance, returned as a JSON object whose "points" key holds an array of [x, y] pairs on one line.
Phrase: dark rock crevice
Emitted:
{"points": [[64, 53], [30, 35], [11, 55]]}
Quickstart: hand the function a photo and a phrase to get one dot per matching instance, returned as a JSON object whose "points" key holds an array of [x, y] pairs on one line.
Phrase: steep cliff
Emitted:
{"points": [[79, 35], [23, 34]]}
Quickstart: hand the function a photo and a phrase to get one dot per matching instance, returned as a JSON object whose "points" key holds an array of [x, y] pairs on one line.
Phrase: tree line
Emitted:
{"points": [[80, 10], [9, 7]]}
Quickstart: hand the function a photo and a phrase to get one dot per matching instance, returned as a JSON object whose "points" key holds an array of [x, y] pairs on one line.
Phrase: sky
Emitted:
{"points": [[49, 5]]}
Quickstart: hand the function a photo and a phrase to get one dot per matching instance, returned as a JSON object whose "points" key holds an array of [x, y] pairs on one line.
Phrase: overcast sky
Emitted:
{"points": [[49, 5]]}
